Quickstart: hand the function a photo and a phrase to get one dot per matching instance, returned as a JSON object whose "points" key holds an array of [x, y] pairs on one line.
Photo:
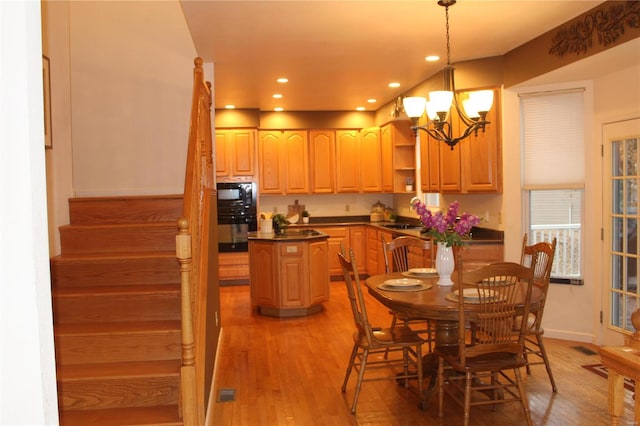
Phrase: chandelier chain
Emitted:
{"points": [[446, 9]]}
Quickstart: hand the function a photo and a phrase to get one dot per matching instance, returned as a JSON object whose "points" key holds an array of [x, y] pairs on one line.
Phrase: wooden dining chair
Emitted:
{"points": [[400, 255], [491, 298], [369, 342], [535, 352]]}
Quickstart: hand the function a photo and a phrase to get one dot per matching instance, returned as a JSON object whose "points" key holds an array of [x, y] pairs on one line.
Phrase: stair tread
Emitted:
{"points": [[117, 327], [154, 289], [125, 198], [118, 369], [74, 257], [122, 225], [164, 415]]}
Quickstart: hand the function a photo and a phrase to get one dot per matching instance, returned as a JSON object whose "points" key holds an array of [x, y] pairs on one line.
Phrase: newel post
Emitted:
{"points": [[187, 371]]}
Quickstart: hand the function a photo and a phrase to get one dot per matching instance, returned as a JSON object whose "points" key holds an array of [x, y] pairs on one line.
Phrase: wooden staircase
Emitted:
{"points": [[116, 306]]}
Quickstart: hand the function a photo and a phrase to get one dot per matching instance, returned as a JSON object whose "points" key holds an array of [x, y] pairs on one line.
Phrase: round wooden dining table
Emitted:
{"points": [[431, 304]]}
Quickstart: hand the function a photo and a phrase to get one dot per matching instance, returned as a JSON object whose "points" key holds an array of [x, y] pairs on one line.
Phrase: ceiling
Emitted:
{"points": [[338, 54]]}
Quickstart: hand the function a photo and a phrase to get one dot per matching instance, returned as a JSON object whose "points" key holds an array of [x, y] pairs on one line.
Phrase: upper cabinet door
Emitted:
{"points": [[297, 162], [371, 160], [482, 156], [270, 161], [386, 165], [235, 153], [347, 161], [322, 148], [429, 163], [243, 159]]}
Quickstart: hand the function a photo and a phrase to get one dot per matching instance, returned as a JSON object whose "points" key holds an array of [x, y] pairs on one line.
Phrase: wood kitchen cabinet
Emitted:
{"points": [[322, 145], [347, 161], [371, 160], [473, 166], [338, 235], [296, 173], [235, 154], [482, 155], [357, 243], [233, 267], [283, 162], [289, 278], [430, 163], [270, 162], [399, 136], [373, 246]]}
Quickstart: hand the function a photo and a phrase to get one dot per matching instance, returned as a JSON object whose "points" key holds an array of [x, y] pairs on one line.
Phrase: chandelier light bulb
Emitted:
{"points": [[414, 106], [441, 100]]}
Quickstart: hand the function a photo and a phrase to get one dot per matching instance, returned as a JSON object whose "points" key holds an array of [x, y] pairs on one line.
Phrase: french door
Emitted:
{"points": [[621, 217]]}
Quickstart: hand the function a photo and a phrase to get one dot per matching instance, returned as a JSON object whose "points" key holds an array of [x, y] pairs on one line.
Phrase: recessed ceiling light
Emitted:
{"points": [[432, 58], [229, 106], [360, 108], [394, 84], [278, 109], [277, 96], [372, 101], [282, 80]]}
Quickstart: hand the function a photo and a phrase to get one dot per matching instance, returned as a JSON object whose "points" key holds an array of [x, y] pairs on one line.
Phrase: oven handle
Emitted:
{"points": [[240, 219]]}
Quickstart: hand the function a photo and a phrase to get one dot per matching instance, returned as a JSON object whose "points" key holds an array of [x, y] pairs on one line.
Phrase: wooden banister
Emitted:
{"points": [[192, 249]]}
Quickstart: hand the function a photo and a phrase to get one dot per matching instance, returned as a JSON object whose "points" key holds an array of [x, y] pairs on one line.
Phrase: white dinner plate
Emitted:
{"points": [[472, 293], [422, 271], [403, 282]]}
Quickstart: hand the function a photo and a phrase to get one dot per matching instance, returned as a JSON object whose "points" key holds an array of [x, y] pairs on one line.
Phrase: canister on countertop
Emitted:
{"points": [[377, 212]]}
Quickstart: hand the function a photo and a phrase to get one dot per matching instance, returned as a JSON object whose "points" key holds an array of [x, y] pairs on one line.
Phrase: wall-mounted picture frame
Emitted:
{"points": [[46, 85]]}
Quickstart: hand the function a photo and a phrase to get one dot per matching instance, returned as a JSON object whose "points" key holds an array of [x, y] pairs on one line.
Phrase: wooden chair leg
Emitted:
{"points": [[523, 396], [352, 359], [547, 365], [363, 366], [467, 397]]}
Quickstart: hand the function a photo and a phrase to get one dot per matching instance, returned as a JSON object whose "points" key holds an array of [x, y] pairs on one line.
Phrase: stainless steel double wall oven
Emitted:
{"points": [[237, 215]]}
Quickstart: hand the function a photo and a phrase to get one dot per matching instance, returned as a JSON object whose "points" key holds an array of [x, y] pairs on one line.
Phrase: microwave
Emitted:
{"points": [[236, 198]]}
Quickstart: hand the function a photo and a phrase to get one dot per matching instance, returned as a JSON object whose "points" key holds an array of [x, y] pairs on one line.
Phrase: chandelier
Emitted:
{"points": [[473, 113]]}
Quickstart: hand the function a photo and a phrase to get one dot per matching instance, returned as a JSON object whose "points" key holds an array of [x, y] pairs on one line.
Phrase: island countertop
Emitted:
{"points": [[300, 234]]}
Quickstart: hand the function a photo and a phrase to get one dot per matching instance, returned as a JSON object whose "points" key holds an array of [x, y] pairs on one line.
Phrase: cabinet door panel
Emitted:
{"points": [[243, 157], [297, 162], [386, 144], [371, 160], [270, 162], [322, 166], [262, 261], [347, 161], [482, 155], [223, 154], [318, 272]]}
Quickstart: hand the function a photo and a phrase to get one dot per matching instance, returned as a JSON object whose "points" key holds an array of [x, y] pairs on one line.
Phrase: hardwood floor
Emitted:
{"points": [[289, 372]]}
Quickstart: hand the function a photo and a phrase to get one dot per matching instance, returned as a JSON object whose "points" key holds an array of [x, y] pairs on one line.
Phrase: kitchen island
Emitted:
{"points": [[289, 273]]}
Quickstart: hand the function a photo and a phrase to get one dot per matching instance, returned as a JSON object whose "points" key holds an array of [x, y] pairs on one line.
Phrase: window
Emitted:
{"points": [[553, 176]]}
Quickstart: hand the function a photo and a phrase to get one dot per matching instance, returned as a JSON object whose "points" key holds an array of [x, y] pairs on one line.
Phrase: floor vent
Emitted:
{"points": [[226, 395], [584, 350]]}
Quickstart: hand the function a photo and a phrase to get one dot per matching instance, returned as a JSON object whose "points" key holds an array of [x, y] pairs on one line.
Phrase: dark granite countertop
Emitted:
{"points": [[296, 234], [412, 227]]}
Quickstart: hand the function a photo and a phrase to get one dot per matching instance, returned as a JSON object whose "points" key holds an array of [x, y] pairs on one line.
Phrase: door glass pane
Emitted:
{"points": [[624, 224]]}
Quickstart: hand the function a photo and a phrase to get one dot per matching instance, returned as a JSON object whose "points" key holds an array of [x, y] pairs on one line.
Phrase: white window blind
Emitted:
{"points": [[553, 139]]}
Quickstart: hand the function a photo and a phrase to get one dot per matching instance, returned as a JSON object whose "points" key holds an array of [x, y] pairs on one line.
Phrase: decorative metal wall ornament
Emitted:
{"points": [[608, 23]]}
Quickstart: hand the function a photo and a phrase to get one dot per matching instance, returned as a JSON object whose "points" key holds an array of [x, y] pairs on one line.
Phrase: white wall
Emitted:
{"points": [[572, 312], [55, 45], [121, 79], [131, 73], [27, 363]]}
